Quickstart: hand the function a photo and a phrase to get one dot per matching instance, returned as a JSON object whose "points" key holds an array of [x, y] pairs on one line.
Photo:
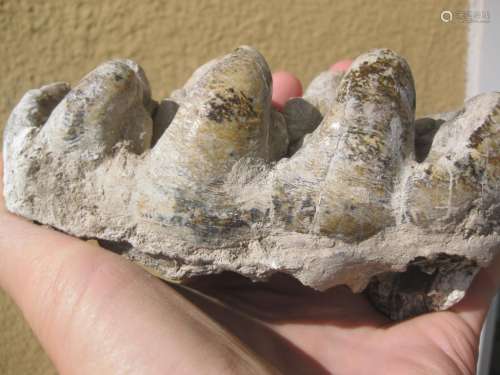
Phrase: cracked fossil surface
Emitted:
{"points": [[343, 187]]}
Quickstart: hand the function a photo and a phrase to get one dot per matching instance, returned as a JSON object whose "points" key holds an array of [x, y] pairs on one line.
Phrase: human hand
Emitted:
{"points": [[96, 313]]}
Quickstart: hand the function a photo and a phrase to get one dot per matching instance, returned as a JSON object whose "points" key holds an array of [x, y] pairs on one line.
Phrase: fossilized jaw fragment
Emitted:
{"points": [[220, 181]]}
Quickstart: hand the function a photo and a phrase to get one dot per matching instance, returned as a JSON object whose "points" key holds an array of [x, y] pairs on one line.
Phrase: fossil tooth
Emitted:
{"points": [[32, 112], [23, 126], [303, 115], [460, 173], [322, 90], [108, 106], [343, 188], [362, 141], [372, 141], [227, 116], [224, 115]]}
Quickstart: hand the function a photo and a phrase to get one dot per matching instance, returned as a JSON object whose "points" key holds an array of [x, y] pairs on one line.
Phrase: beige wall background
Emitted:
{"points": [[46, 41]]}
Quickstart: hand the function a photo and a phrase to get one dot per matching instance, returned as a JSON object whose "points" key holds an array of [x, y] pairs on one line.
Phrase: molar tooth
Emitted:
{"points": [[107, 106], [34, 108], [345, 173], [461, 171], [322, 90], [21, 130], [375, 106], [223, 115]]}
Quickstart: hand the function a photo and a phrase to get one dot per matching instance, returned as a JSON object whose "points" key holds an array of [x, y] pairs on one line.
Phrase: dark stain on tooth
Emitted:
{"points": [[231, 106], [483, 132], [307, 202], [209, 222], [117, 77], [378, 80], [74, 130], [256, 215]]}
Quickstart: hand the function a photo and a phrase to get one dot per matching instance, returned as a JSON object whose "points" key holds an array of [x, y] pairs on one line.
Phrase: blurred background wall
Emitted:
{"points": [[47, 41]]}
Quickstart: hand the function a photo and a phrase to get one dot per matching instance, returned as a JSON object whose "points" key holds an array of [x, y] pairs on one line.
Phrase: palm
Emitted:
{"points": [[116, 316], [335, 331]]}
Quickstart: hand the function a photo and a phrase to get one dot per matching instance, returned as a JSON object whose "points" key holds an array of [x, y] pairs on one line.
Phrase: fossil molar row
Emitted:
{"points": [[213, 178]]}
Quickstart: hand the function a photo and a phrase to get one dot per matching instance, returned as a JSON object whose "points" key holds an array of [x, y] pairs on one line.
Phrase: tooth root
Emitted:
{"points": [[462, 170], [106, 107], [227, 116]]}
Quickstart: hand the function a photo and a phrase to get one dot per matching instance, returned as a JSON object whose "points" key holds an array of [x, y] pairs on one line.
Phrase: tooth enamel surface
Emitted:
{"points": [[343, 187]]}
